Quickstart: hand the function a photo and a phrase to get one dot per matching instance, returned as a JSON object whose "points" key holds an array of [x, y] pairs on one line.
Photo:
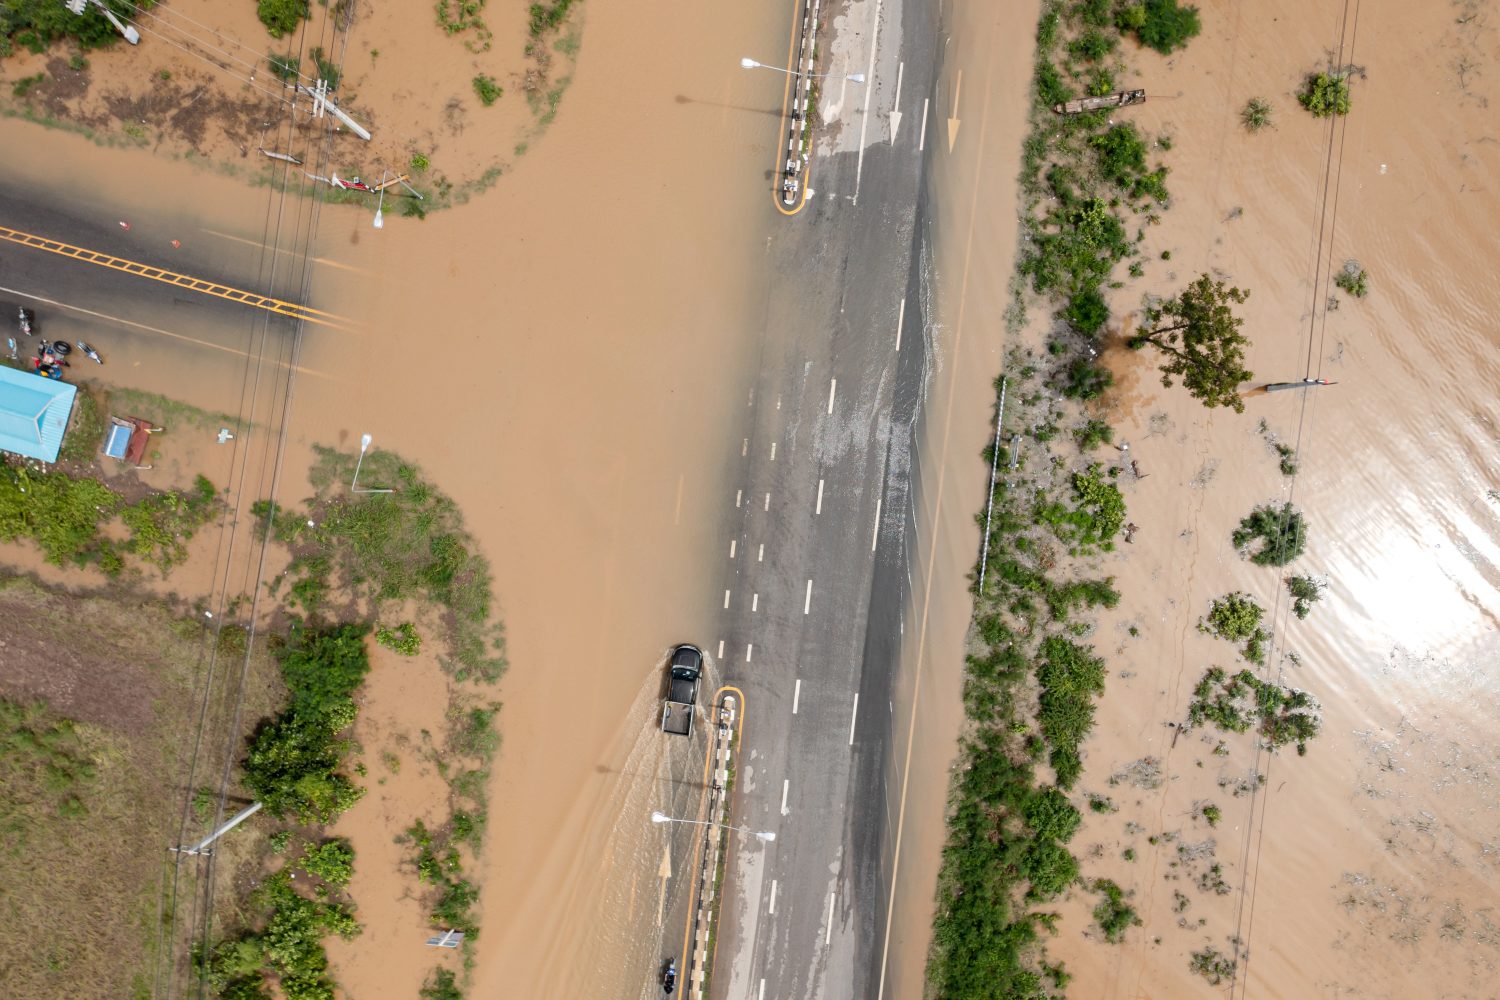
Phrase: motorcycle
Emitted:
{"points": [[90, 353], [27, 317], [55, 354], [669, 977]]}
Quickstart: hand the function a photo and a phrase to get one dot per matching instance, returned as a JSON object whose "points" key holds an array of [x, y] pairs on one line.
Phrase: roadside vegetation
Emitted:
{"points": [[69, 519], [281, 17], [1091, 189], [358, 560], [35, 24], [1212, 965], [1238, 702]]}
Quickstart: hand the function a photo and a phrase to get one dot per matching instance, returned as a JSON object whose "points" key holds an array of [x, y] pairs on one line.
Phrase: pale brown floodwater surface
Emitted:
{"points": [[1368, 867]]}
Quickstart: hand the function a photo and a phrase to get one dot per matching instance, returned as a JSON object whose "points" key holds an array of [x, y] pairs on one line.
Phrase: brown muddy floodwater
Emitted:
{"points": [[1369, 867], [562, 356]]}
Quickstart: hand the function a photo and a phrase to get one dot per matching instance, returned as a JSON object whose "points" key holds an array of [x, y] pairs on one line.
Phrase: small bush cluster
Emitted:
{"points": [[1212, 965], [332, 861], [1071, 677], [289, 947], [1113, 915], [1235, 703], [1325, 94], [545, 17], [1281, 534], [1163, 25], [402, 639], [439, 864], [1353, 279], [1095, 518], [1305, 593], [1237, 617]]}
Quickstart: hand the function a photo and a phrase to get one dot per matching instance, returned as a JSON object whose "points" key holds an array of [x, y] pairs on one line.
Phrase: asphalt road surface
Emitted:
{"points": [[814, 583]]}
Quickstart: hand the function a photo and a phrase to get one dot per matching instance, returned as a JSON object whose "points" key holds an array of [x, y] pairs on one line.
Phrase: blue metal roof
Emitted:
{"points": [[33, 413]]}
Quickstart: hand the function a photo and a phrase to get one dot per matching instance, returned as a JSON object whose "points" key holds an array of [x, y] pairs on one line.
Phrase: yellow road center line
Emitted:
{"points": [[185, 281]]}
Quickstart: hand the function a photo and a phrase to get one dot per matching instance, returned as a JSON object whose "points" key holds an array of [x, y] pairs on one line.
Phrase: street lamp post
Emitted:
{"points": [[354, 487], [380, 205], [765, 835], [748, 63]]}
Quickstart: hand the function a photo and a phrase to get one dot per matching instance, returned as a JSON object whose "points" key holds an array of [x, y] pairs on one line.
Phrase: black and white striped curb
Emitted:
{"points": [[796, 154], [698, 958]]}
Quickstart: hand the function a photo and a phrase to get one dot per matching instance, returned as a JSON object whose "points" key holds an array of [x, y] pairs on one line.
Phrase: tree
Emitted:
{"points": [[1163, 25], [1200, 336], [1324, 94]]}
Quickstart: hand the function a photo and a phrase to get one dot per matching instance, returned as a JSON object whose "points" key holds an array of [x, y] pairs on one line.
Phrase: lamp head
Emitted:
{"points": [[748, 63], [364, 442], [658, 817]]}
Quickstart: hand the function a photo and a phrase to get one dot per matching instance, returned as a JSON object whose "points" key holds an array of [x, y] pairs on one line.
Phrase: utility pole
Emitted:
{"points": [[128, 30]]}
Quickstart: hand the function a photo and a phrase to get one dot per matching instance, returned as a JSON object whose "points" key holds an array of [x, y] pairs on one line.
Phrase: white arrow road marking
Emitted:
{"points": [[896, 107], [953, 118]]}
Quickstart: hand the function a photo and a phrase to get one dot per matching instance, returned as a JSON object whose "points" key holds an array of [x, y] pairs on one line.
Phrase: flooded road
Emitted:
{"points": [[1367, 867]]}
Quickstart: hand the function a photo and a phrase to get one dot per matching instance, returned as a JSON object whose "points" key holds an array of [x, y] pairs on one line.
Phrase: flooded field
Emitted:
{"points": [[1369, 866]]}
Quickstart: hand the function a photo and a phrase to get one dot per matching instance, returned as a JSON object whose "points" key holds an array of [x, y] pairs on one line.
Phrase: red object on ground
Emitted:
{"points": [[125, 225], [176, 244]]}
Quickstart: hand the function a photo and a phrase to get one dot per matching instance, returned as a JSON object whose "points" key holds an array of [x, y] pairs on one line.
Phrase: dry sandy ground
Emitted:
{"points": [[1369, 867]]}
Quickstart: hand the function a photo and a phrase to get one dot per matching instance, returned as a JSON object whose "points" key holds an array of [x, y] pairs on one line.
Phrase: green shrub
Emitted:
{"points": [[1050, 869], [328, 70], [419, 162], [294, 760], [1237, 617], [1282, 534], [1087, 311], [1091, 46], [487, 89], [62, 515], [1212, 814], [281, 16], [1282, 715], [1325, 95], [1051, 88], [544, 17], [286, 67], [1070, 678], [1256, 115], [1162, 25], [1084, 380], [1353, 279], [1092, 434], [332, 861], [1113, 914], [441, 985], [1305, 593], [1213, 966]]}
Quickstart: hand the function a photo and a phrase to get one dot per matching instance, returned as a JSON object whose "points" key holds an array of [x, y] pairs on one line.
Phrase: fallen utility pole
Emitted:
{"points": [[202, 846], [322, 101], [128, 30], [1306, 383]]}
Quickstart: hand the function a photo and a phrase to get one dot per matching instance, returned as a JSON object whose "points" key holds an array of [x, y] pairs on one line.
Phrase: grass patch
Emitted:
{"points": [[487, 90], [1271, 536], [1256, 115], [1212, 966], [385, 549], [402, 639], [22, 87], [544, 17], [287, 67], [328, 70]]}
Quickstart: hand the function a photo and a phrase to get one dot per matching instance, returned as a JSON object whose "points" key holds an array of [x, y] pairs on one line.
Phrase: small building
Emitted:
{"points": [[33, 414]]}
